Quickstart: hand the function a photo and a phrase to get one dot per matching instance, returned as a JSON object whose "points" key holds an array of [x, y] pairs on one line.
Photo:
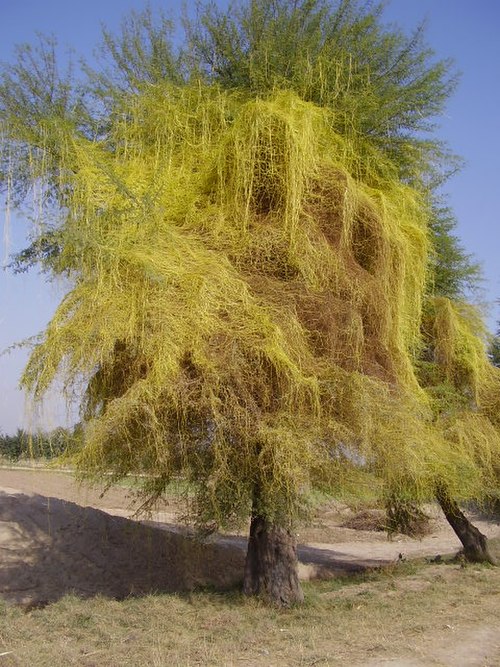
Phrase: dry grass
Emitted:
{"points": [[406, 612]]}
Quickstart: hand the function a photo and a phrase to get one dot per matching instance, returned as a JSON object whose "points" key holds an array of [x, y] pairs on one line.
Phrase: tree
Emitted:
{"points": [[13, 447], [494, 349], [247, 265], [462, 385], [454, 273], [381, 85], [455, 349]]}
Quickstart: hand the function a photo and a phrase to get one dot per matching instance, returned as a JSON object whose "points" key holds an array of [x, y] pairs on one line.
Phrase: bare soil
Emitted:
{"points": [[57, 537]]}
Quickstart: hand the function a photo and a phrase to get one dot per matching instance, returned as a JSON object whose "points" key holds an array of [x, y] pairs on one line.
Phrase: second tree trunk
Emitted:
{"points": [[475, 544]]}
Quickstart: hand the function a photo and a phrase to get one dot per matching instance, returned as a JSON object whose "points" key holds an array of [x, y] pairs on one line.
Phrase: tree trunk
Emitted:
{"points": [[474, 542], [271, 566]]}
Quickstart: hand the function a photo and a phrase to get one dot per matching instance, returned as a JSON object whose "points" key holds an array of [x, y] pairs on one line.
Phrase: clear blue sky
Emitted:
{"points": [[464, 30]]}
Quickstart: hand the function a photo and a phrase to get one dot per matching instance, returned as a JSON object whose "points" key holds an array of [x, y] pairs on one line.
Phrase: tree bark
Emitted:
{"points": [[271, 566], [475, 544]]}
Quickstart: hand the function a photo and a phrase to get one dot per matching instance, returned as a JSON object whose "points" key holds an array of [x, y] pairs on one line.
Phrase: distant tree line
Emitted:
{"points": [[41, 445]]}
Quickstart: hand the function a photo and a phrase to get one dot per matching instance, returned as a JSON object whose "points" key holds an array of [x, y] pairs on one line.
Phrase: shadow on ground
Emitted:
{"points": [[51, 547]]}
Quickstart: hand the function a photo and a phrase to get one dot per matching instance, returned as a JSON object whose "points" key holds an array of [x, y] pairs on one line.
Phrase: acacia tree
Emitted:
{"points": [[247, 266]]}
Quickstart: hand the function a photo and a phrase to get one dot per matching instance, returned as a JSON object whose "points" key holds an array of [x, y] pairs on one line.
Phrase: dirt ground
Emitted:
{"points": [[57, 538]]}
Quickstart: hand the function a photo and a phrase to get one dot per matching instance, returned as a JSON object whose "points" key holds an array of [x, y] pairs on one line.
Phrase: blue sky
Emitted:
{"points": [[464, 30]]}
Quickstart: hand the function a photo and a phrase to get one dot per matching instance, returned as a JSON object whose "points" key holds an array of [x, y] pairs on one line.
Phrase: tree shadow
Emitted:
{"points": [[51, 547]]}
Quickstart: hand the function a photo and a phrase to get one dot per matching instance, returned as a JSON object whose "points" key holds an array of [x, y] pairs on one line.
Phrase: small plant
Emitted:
{"points": [[406, 517]]}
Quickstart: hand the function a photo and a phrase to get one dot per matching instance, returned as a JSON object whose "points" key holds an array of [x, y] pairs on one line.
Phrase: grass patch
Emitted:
{"points": [[343, 621]]}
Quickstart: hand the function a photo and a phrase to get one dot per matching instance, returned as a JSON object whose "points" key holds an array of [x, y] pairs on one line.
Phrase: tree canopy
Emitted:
{"points": [[383, 85], [227, 277]]}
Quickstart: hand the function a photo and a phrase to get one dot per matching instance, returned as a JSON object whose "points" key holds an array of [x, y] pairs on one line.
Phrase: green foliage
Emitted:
{"points": [[454, 273], [13, 447], [143, 53], [380, 83], [40, 445], [34, 92], [494, 349]]}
